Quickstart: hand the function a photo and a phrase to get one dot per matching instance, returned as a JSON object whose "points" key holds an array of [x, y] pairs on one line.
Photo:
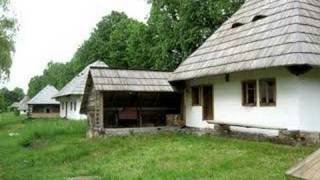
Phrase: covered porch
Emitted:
{"points": [[130, 99], [139, 109]]}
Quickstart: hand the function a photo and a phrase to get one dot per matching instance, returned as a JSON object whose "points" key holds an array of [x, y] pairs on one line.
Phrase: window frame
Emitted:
{"points": [[244, 94], [198, 96], [268, 104]]}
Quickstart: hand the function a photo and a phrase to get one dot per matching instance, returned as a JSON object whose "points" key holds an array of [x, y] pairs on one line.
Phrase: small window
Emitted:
{"points": [[249, 93], [267, 90], [47, 110], [195, 96], [235, 25], [258, 17], [75, 105], [71, 106]]}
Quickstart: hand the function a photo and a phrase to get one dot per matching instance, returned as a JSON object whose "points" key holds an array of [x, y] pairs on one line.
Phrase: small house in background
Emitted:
{"points": [[116, 98], [43, 105], [23, 105], [259, 72], [70, 96], [14, 106]]}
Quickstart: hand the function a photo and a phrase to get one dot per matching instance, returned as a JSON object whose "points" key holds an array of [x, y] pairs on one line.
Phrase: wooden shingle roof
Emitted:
{"points": [[23, 104], [266, 33], [77, 85], [45, 96], [105, 79]]}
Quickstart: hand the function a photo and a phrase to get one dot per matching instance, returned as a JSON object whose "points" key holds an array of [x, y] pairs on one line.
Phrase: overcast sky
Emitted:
{"points": [[54, 29]]}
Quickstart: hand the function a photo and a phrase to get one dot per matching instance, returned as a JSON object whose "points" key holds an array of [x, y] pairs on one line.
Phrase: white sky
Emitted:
{"points": [[54, 29]]}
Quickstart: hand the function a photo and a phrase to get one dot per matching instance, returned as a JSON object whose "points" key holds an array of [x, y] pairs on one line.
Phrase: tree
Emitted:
{"points": [[7, 97], [179, 27], [2, 103], [174, 30], [7, 32]]}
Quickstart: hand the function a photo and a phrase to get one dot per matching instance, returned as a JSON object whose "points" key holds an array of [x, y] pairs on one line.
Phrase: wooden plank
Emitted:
{"points": [[308, 168]]}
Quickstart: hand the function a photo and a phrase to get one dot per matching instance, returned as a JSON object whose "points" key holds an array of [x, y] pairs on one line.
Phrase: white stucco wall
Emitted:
{"points": [[72, 114], [298, 101], [310, 101]]}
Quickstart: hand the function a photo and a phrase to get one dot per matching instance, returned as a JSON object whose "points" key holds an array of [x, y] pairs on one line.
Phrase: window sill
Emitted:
{"points": [[249, 105], [267, 105]]}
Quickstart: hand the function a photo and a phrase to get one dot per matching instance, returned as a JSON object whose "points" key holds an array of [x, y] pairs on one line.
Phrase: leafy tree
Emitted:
{"points": [[2, 102], [7, 31], [173, 31], [178, 27], [7, 97]]}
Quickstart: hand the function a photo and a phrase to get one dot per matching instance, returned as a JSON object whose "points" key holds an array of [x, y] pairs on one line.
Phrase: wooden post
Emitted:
{"points": [[140, 116], [101, 110]]}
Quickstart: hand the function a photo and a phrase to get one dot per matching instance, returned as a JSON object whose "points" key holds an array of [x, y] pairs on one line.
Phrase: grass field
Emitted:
{"points": [[57, 149]]}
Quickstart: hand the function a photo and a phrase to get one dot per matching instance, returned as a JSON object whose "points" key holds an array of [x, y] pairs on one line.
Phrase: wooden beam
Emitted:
{"points": [[245, 125]]}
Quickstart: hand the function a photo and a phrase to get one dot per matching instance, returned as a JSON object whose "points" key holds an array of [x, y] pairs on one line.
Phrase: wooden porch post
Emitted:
{"points": [[101, 110]]}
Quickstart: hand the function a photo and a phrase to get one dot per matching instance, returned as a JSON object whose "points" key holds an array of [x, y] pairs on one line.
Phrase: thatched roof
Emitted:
{"points": [[15, 105], [45, 96], [77, 84], [266, 33], [105, 79], [23, 104]]}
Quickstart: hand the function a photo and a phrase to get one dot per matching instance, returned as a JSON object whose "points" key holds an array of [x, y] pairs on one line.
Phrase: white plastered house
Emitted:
{"points": [[259, 72], [70, 96], [23, 105]]}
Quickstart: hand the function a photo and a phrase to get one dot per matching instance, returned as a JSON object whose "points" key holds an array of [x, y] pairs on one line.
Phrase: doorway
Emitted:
{"points": [[207, 102]]}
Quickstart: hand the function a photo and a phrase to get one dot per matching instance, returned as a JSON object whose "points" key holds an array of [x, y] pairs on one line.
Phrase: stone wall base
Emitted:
{"points": [[284, 137], [299, 137]]}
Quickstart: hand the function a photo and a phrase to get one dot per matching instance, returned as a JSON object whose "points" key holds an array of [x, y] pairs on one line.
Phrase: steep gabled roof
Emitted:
{"points": [[45, 96], [105, 79], [15, 105], [77, 84], [261, 34], [23, 104]]}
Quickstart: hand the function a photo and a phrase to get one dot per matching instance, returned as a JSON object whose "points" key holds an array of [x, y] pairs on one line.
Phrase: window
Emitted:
{"points": [[75, 105], [235, 25], [71, 106], [47, 110], [195, 96], [249, 93], [267, 90], [258, 17]]}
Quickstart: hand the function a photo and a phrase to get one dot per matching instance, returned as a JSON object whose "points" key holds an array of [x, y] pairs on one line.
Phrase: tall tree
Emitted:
{"points": [[8, 97], [178, 27], [7, 32], [174, 30]]}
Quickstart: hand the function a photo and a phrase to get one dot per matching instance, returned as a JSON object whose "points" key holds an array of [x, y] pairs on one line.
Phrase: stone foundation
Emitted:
{"points": [[299, 137], [284, 137]]}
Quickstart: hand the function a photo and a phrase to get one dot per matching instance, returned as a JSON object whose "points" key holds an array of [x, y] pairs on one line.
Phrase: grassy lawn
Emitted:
{"points": [[57, 149]]}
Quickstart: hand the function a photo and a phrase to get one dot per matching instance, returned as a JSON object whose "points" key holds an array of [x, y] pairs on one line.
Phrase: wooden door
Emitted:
{"points": [[207, 103]]}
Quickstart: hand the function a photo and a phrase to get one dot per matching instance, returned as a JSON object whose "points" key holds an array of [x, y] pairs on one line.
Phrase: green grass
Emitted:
{"points": [[57, 149]]}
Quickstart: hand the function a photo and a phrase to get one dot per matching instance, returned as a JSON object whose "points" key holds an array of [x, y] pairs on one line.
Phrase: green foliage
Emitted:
{"points": [[57, 149], [7, 97], [179, 27], [7, 32], [56, 74], [173, 31]]}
